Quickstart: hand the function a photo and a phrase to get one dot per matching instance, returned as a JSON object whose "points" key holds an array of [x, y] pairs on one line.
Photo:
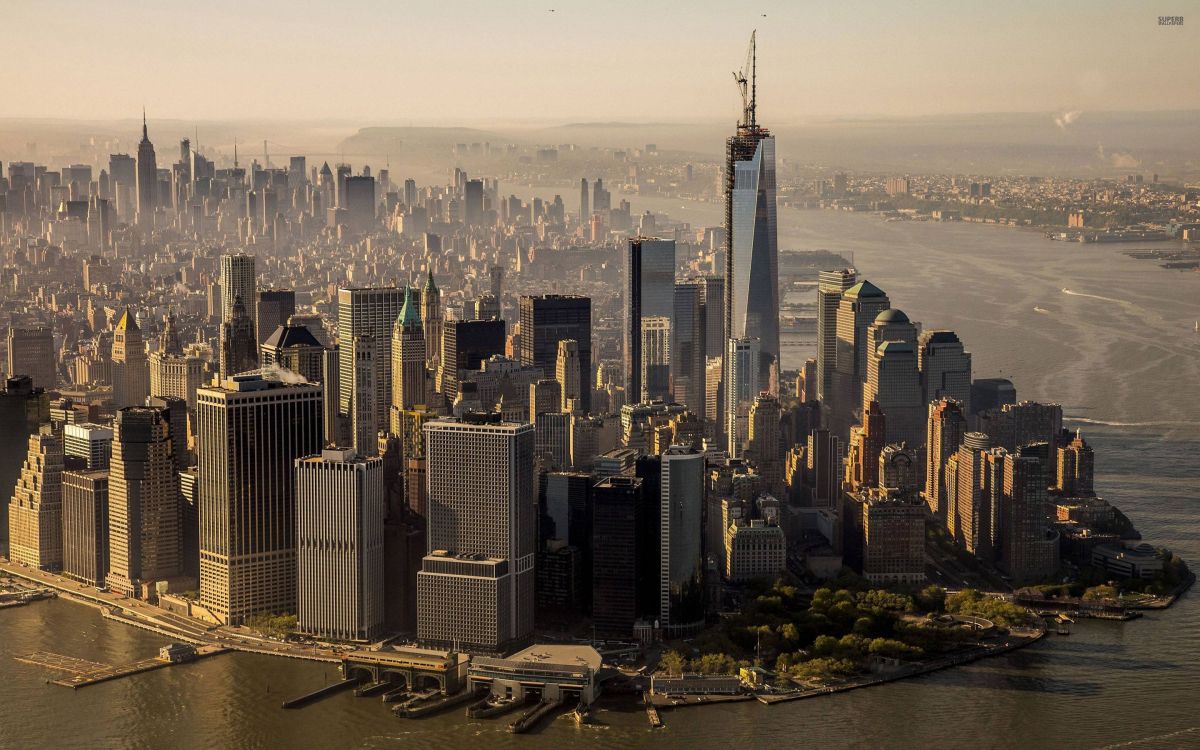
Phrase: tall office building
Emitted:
{"points": [[655, 354], [239, 350], [431, 320], [893, 382], [967, 511], [340, 508], [408, 360], [35, 531], [681, 561], [147, 179], [88, 442], [365, 424], [130, 366], [649, 293], [1075, 468], [295, 348], [31, 352], [467, 343], [741, 386], [550, 318], [752, 243], [945, 368], [250, 430], [144, 508], [858, 308], [23, 409], [367, 312], [238, 281], [568, 373], [85, 526], [617, 508], [273, 309], [687, 347], [764, 445], [945, 429], [830, 287], [476, 586]]}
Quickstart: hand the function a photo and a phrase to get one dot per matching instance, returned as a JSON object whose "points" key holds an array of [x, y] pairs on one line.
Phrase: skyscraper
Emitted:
{"points": [[568, 373], [945, 368], [31, 352], [649, 293], [35, 530], [408, 359], [830, 286], [551, 318], [476, 585], [752, 258], [239, 350], [946, 425], [857, 309], [144, 504], [147, 179], [23, 409], [367, 312], [85, 526], [130, 367], [250, 430], [340, 508], [273, 309], [741, 386], [238, 281], [681, 562]]}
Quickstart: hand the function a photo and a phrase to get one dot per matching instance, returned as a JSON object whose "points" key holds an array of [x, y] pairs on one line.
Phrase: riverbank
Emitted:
{"points": [[145, 616]]}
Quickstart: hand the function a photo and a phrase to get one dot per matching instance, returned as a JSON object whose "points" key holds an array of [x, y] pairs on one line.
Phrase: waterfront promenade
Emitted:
{"points": [[146, 616]]}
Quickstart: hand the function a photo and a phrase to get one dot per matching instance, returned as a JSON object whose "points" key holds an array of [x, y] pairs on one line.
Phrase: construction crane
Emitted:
{"points": [[748, 87]]}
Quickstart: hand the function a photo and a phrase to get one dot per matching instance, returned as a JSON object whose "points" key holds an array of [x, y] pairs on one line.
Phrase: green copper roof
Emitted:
{"points": [[864, 289], [409, 316]]}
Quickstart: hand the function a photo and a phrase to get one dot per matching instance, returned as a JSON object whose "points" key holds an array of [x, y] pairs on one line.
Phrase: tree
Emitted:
{"points": [[672, 662]]}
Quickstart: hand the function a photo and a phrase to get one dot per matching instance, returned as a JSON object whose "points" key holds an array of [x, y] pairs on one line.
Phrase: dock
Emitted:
{"points": [[530, 718], [84, 673], [319, 693], [418, 707]]}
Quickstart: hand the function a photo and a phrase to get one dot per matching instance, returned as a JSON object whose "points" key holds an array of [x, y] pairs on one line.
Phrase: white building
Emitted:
{"points": [[340, 506]]}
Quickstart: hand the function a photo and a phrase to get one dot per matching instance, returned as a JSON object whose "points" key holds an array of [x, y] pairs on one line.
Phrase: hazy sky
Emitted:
{"points": [[473, 61]]}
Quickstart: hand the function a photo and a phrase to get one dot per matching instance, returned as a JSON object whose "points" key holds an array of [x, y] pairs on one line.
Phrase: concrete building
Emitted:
{"points": [[340, 508], [144, 503], [893, 525], [476, 585], [85, 526], [250, 430], [681, 562], [548, 672], [31, 352], [130, 367], [754, 549], [35, 530], [88, 442]]}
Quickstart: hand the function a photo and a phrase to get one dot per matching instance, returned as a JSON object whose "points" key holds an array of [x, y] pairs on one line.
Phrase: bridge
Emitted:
{"points": [[415, 668]]}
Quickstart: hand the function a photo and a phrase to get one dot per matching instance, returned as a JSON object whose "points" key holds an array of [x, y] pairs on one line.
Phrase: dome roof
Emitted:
{"points": [[891, 315]]}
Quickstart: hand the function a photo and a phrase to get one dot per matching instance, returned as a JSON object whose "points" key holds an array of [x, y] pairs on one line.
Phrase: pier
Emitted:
{"points": [[84, 673], [320, 693]]}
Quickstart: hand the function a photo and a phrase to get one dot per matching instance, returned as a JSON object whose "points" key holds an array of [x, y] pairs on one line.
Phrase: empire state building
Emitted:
{"points": [[752, 260], [147, 178]]}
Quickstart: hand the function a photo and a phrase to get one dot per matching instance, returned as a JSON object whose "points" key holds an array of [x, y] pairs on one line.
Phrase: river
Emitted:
{"points": [[1118, 352]]}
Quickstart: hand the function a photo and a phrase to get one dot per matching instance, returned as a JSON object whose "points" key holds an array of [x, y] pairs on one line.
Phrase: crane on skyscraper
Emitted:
{"points": [[747, 86]]}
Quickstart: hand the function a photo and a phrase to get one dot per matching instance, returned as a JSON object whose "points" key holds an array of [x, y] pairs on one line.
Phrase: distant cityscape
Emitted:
{"points": [[517, 452]]}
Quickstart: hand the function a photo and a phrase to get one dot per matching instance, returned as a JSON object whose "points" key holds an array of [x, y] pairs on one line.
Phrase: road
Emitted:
{"points": [[144, 614]]}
